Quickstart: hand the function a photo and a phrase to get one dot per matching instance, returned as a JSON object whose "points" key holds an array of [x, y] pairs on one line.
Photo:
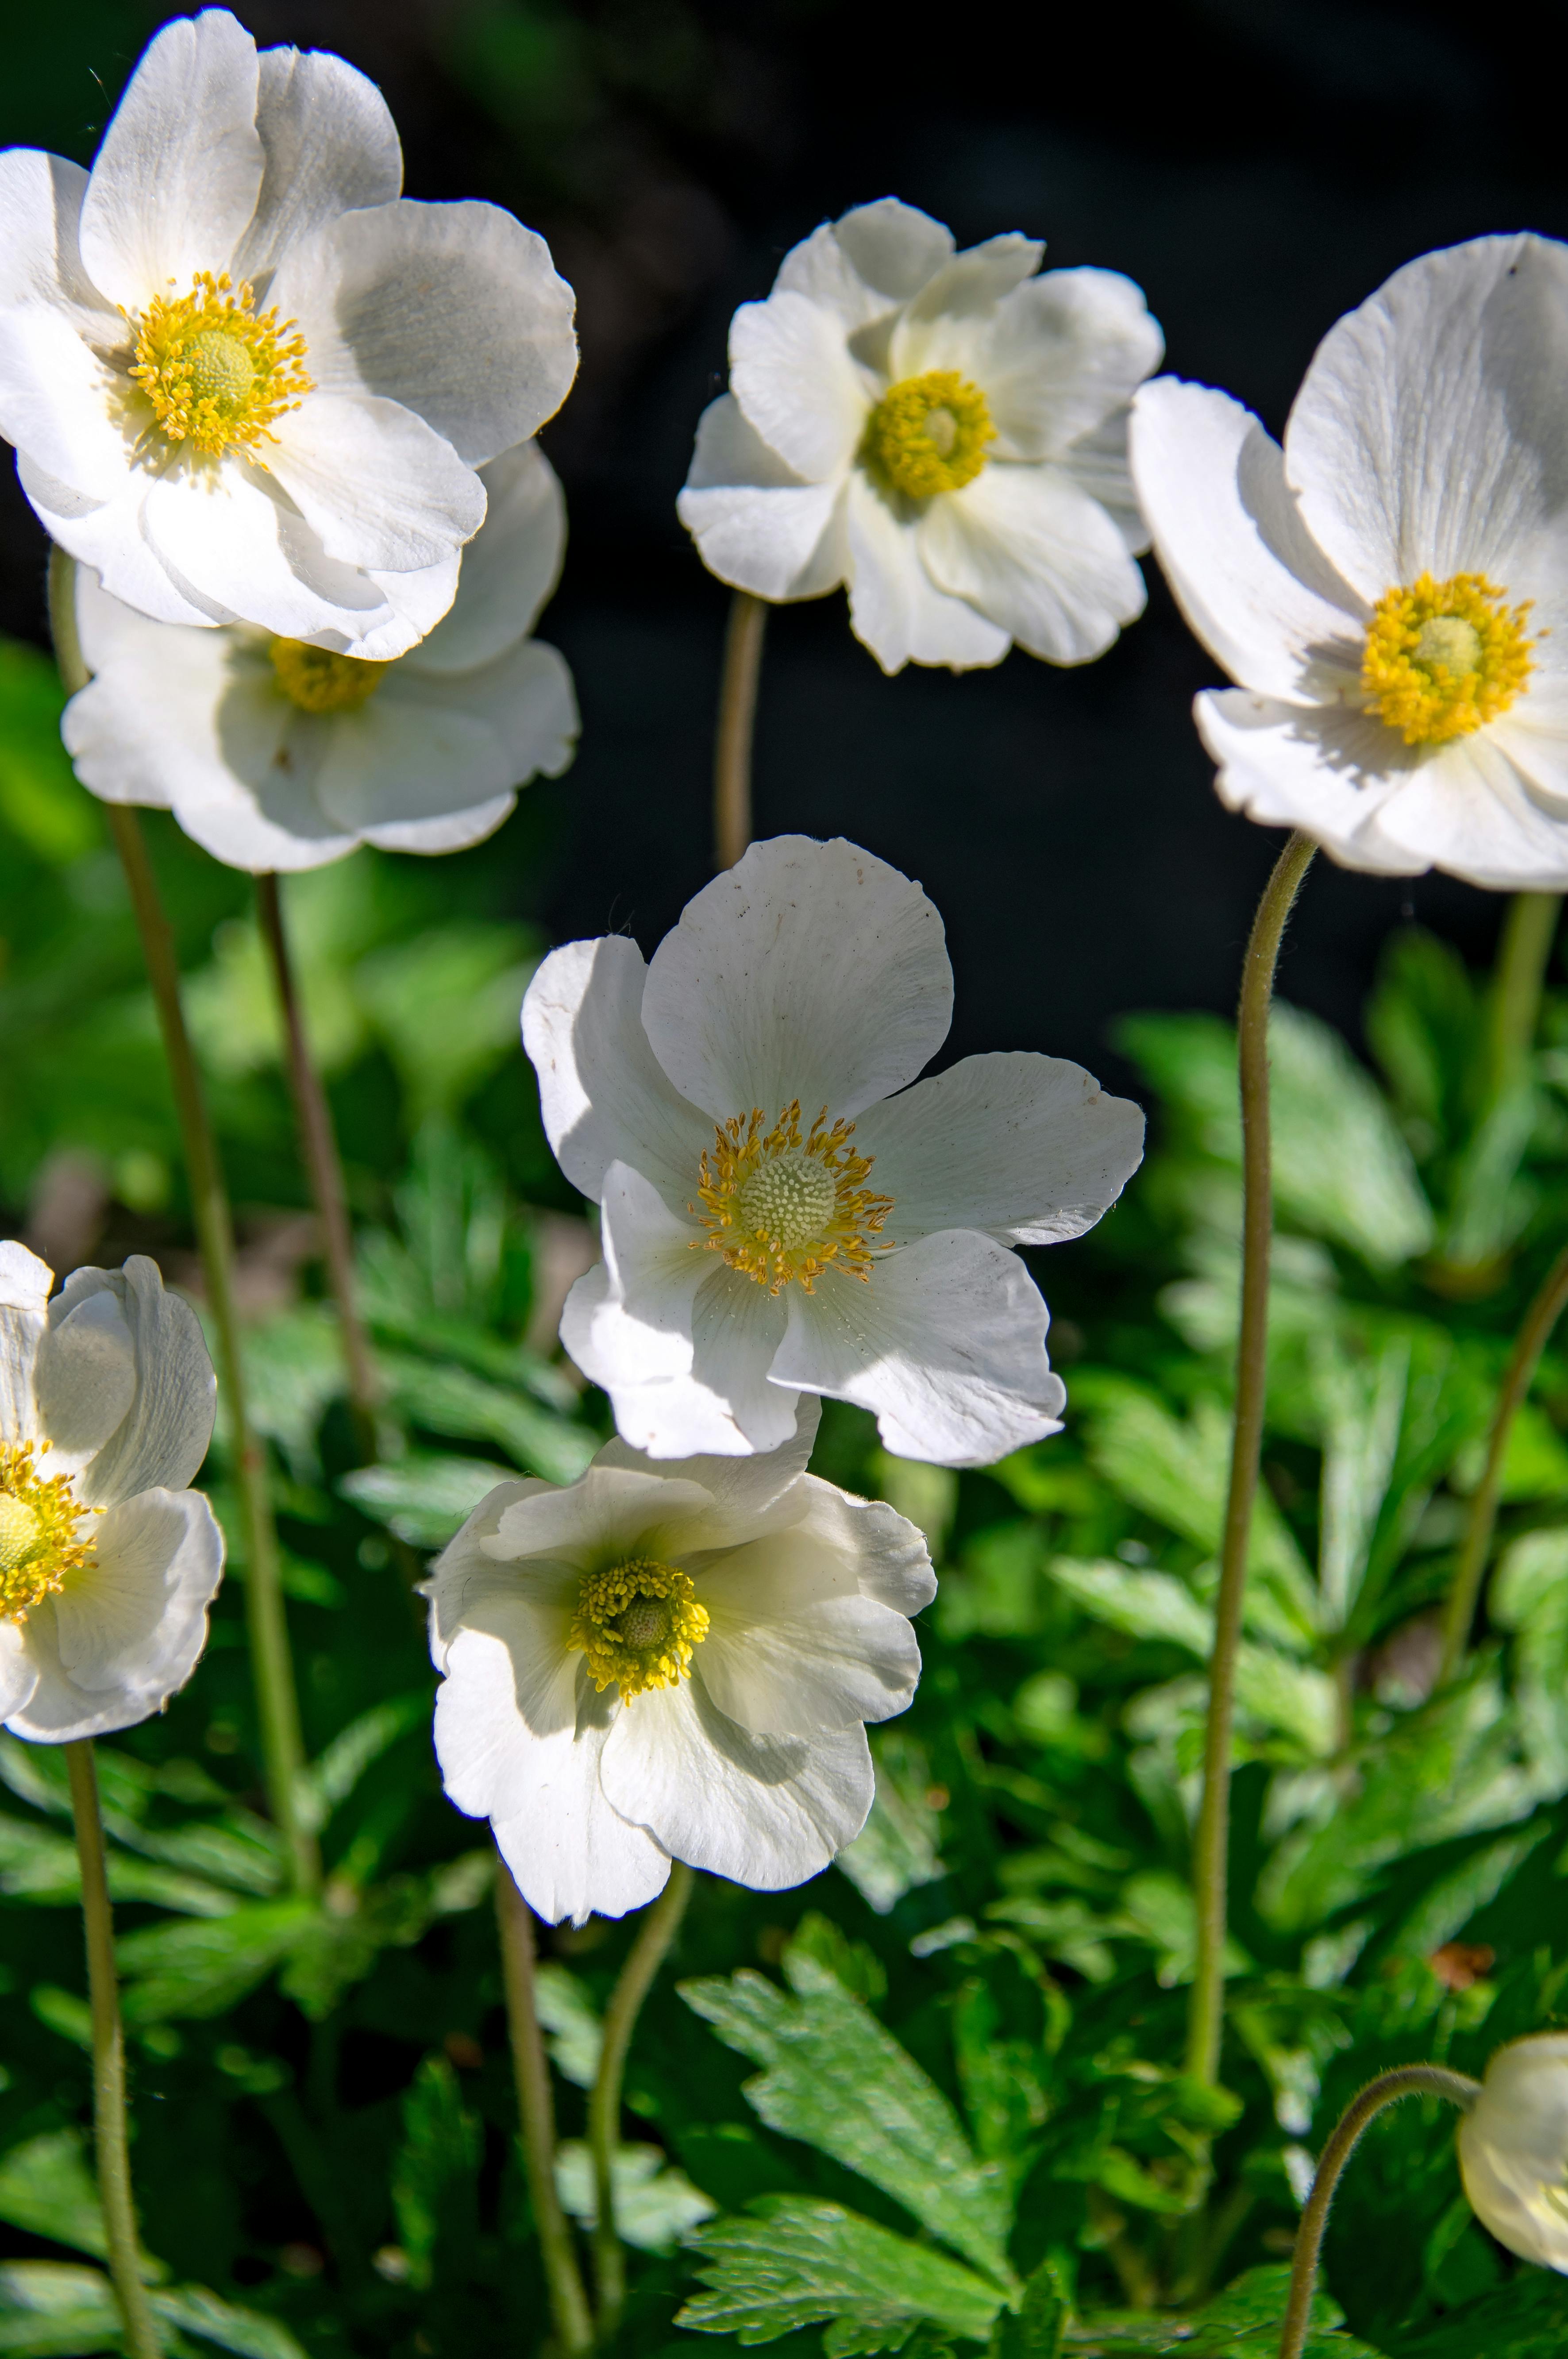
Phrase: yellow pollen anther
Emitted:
{"points": [[217, 373], [39, 1522], [928, 434], [318, 679], [1444, 657], [637, 1624], [780, 1207]]}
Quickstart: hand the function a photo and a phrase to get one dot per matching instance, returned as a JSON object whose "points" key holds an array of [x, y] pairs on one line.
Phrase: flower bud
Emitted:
{"points": [[1513, 2149]]}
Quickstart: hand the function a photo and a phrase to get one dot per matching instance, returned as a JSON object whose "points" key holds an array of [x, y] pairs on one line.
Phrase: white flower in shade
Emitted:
{"points": [[245, 380], [1513, 2149], [1390, 590], [275, 754], [944, 432], [775, 1219], [108, 1560], [666, 1663]]}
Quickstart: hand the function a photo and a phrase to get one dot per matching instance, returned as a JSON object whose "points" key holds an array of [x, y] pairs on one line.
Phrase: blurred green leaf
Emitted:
{"points": [[795, 2262]]}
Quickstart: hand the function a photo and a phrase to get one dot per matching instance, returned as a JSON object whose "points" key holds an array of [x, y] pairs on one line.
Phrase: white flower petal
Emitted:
{"points": [[797, 387], [478, 1604], [742, 1490], [810, 971], [595, 1330], [1252, 583], [524, 702], [41, 260], [1327, 769], [894, 607], [755, 525], [892, 248], [84, 1379], [1029, 1148], [22, 1329], [946, 1344], [399, 757], [127, 1630], [1060, 355], [416, 603], [736, 1328], [234, 541], [508, 570], [1427, 435], [766, 1811], [24, 1280], [609, 1511], [568, 1851], [604, 1096], [1533, 735], [163, 1437], [380, 489], [1513, 2144], [329, 145], [108, 538], [18, 1671], [793, 1646], [939, 329], [175, 182], [891, 1556], [1030, 550], [55, 403], [454, 311], [1467, 810]]}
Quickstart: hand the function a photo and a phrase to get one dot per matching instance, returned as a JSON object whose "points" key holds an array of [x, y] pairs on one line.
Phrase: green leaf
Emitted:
{"points": [[426, 1497], [897, 1849], [42, 1867], [655, 2206], [47, 2186], [245, 2332], [568, 2014], [52, 2309], [333, 1774], [841, 2083], [1037, 2330], [205, 1969], [436, 2166], [795, 2262], [446, 1004], [454, 1401], [40, 802]]}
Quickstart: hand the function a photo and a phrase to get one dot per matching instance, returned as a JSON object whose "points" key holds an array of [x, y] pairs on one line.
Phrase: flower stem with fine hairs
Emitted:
{"points": [[323, 1164], [1212, 1839], [109, 2107], [277, 1708], [1539, 1322], [536, 2116], [648, 1953], [1405, 2081], [737, 713]]}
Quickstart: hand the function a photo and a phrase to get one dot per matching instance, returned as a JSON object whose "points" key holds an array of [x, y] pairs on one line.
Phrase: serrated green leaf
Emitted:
{"points": [[795, 2262], [426, 1497], [435, 2166], [201, 1970], [454, 1401], [656, 2206], [333, 1774], [567, 2013], [837, 2080]]}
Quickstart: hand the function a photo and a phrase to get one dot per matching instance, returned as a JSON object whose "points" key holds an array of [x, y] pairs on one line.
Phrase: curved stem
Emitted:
{"points": [[1539, 1322], [323, 1164], [1405, 2081], [278, 1709], [109, 2105], [1212, 1838], [1522, 953], [648, 1953], [737, 713], [536, 2118]]}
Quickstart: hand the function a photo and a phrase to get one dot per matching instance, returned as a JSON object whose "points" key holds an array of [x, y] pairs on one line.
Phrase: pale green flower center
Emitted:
{"points": [[789, 1199], [782, 1208], [222, 370], [928, 434], [637, 1624]]}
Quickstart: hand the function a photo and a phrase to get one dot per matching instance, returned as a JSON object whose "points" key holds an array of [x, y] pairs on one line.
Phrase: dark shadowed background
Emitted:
{"points": [[1258, 166]]}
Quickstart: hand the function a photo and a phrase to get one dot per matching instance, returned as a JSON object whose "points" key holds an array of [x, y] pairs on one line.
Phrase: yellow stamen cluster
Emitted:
{"points": [[217, 373], [1444, 657], [39, 1518], [637, 1624], [928, 434], [318, 679], [781, 1208]]}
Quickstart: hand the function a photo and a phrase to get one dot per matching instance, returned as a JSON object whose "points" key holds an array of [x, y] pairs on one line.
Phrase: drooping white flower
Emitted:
{"points": [[108, 1560], [1390, 590], [664, 1663], [1513, 2149], [775, 1219], [944, 432], [245, 380], [277, 754]]}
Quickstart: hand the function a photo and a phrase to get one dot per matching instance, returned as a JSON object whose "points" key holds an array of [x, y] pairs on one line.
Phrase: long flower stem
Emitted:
{"points": [[109, 2105], [648, 1953], [1539, 1322], [1212, 1839], [277, 1708], [323, 1164], [536, 2116], [737, 713], [1523, 950], [1405, 2081]]}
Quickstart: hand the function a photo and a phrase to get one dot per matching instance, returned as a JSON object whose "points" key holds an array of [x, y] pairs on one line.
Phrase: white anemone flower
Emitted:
{"points": [[1391, 589], [108, 1559], [664, 1663], [245, 380], [274, 754], [1513, 2149], [944, 432], [775, 1220]]}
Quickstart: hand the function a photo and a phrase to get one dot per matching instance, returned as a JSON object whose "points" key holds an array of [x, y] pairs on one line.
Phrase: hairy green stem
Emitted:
{"points": [[648, 1953], [1211, 1840], [277, 1708], [1405, 2081], [109, 2103], [1523, 950], [737, 714], [1481, 1522], [536, 2118], [323, 1164]]}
